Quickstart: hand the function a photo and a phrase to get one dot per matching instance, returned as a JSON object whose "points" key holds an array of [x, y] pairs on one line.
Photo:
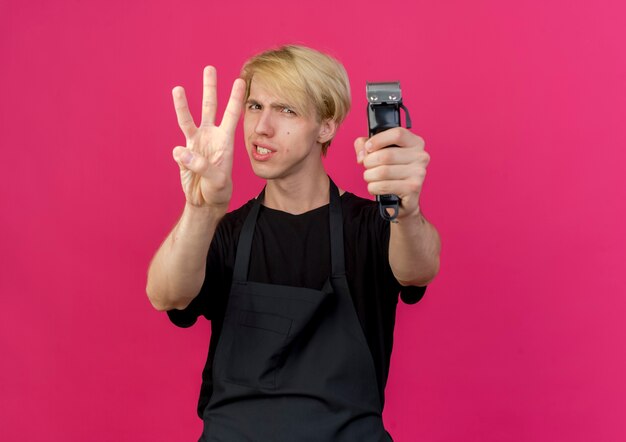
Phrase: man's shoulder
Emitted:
{"points": [[232, 222], [240, 213], [351, 201], [356, 207]]}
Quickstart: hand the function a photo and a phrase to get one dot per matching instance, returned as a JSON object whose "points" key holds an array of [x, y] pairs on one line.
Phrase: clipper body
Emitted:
{"points": [[383, 112]]}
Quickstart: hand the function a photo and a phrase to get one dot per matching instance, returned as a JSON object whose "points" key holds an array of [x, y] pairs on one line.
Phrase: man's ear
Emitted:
{"points": [[327, 131]]}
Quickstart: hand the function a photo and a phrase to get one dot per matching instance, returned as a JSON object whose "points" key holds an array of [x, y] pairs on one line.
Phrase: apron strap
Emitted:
{"points": [[336, 232], [242, 259]]}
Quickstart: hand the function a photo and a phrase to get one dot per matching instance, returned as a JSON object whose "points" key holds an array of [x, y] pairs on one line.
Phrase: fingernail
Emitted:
{"points": [[360, 156], [187, 157], [368, 145]]}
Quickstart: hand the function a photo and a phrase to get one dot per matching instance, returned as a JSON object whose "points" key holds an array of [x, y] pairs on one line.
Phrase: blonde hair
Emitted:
{"points": [[304, 76]]}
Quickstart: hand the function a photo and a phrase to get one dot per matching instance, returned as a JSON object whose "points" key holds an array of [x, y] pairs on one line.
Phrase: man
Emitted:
{"points": [[301, 283]]}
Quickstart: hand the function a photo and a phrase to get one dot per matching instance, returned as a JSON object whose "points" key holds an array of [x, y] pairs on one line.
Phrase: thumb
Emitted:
{"points": [[189, 160], [359, 147]]}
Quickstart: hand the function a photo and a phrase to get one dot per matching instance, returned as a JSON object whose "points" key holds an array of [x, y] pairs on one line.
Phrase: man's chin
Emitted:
{"points": [[263, 173], [267, 171]]}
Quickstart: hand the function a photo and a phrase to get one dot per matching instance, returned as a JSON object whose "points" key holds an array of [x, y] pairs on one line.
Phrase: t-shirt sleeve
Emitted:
{"points": [[211, 300], [412, 294]]}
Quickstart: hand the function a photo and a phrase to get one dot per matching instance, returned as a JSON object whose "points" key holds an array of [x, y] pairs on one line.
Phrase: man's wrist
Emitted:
{"points": [[204, 212], [412, 216]]}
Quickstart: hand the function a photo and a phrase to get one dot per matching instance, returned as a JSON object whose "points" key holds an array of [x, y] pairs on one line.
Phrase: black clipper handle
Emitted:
{"points": [[383, 112]]}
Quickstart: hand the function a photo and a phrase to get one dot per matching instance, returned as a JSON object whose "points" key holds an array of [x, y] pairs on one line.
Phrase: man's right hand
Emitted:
{"points": [[206, 161]]}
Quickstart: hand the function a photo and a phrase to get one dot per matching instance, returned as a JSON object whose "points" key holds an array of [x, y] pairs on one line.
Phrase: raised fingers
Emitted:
{"points": [[209, 96], [185, 120], [234, 107]]}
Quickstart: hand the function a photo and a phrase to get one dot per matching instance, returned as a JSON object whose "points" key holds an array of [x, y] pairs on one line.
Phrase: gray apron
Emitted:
{"points": [[292, 364]]}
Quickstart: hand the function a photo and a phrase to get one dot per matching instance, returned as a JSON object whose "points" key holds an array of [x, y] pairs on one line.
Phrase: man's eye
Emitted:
{"points": [[254, 106], [288, 111]]}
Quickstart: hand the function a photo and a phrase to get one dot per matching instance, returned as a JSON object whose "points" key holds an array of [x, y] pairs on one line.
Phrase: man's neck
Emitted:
{"points": [[295, 195]]}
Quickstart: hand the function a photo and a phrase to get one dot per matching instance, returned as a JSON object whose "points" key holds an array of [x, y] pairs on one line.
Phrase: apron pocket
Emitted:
{"points": [[258, 344]]}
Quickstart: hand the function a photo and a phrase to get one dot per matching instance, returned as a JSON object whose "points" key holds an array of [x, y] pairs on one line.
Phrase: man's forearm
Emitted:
{"points": [[177, 270], [414, 249]]}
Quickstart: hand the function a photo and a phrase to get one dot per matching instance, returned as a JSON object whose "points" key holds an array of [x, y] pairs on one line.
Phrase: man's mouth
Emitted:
{"points": [[262, 153]]}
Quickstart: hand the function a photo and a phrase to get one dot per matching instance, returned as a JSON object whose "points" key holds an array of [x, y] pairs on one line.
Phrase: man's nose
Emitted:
{"points": [[264, 125]]}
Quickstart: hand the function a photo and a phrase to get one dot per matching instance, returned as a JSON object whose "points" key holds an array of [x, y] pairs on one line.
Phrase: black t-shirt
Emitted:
{"points": [[294, 250]]}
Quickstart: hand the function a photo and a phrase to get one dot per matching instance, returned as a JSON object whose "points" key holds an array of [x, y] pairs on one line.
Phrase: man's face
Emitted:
{"points": [[281, 142]]}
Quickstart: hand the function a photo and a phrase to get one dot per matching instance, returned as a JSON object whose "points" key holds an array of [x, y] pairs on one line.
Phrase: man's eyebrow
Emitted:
{"points": [[275, 104], [281, 105]]}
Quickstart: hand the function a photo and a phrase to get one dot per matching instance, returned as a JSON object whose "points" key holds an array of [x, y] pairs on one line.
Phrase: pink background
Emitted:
{"points": [[521, 336]]}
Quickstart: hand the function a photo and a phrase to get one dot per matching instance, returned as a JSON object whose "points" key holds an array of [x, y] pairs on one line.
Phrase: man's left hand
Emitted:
{"points": [[395, 163]]}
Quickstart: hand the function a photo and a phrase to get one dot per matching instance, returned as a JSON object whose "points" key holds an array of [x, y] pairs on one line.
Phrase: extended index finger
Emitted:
{"points": [[209, 96], [185, 120], [234, 106]]}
